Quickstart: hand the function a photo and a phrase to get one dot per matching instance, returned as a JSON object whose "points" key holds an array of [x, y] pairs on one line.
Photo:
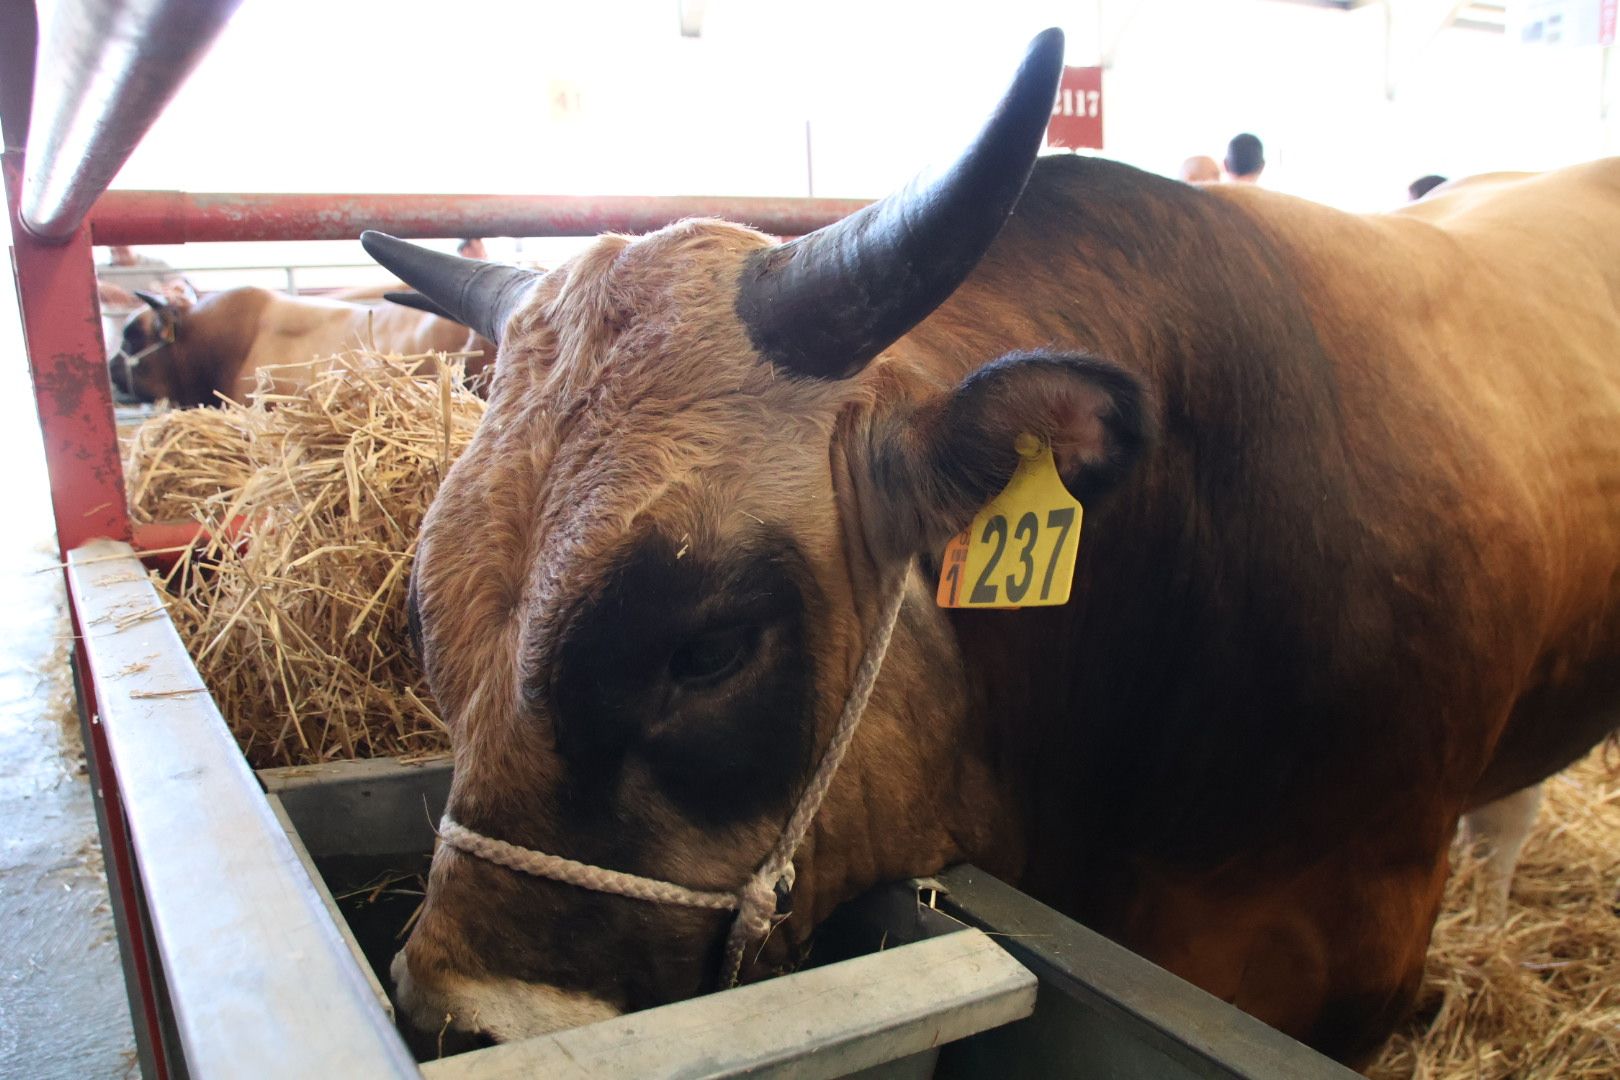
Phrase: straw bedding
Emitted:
{"points": [[179, 460], [299, 630], [1537, 996], [301, 635]]}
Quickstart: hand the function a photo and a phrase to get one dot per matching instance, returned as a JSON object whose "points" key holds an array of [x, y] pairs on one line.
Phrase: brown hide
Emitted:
{"points": [[1383, 519], [222, 343], [1366, 577]]}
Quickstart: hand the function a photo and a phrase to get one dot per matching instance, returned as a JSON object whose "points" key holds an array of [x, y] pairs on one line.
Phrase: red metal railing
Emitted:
{"points": [[171, 217]]}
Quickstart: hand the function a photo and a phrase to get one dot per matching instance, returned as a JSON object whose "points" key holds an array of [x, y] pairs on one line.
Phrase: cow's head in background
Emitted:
{"points": [[151, 363], [642, 593]]}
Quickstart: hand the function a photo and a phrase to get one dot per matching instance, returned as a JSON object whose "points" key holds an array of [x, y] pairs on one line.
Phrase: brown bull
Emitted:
{"points": [[1351, 568], [196, 353]]}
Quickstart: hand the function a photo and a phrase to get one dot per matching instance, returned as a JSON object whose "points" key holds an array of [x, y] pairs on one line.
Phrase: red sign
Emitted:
{"points": [[1077, 114]]}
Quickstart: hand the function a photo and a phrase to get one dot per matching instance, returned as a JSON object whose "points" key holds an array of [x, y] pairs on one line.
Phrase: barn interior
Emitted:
{"points": [[187, 152]]}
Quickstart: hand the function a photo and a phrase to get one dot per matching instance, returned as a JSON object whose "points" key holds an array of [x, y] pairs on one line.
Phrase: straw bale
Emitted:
{"points": [[180, 460], [1539, 994], [299, 629]]}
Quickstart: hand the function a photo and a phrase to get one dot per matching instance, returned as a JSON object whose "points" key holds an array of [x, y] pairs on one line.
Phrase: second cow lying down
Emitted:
{"points": [[195, 353]]}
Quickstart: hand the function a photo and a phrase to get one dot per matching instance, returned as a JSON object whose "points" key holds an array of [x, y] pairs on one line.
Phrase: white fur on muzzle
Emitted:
{"points": [[504, 1009]]}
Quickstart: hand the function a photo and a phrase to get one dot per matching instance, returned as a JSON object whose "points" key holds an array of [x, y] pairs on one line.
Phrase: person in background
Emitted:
{"points": [[125, 272], [1200, 169], [118, 279], [1422, 186], [1245, 159], [472, 248]]}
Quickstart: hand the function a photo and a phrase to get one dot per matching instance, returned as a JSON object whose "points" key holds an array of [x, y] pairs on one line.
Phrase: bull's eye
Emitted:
{"points": [[711, 657]]}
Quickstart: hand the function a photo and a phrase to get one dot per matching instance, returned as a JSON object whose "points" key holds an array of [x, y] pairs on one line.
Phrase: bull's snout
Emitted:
{"points": [[123, 393], [455, 1012]]}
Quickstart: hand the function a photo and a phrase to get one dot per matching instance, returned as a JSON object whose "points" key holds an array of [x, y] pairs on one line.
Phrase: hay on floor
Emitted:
{"points": [[1537, 996], [298, 624]]}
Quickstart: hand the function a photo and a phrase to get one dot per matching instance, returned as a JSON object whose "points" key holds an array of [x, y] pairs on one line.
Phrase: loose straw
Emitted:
{"points": [[297, 619]]}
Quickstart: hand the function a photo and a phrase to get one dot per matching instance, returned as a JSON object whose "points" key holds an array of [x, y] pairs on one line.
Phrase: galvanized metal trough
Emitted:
{"points": [[267, 958]]}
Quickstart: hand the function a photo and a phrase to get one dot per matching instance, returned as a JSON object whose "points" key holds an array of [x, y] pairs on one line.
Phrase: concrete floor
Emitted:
{"points": [[63, 1011]]}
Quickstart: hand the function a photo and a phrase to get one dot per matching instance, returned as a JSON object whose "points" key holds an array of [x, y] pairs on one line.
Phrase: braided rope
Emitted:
{"points": [[758, 895], [755, 901], [597, 878]]}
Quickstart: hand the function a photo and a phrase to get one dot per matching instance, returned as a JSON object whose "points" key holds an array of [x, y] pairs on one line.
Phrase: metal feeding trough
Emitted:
{"points": [[889, 1010], [267, 912]]}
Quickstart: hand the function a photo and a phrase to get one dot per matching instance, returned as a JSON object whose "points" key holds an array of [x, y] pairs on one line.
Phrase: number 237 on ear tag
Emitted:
{"points": [[1019, 551]]}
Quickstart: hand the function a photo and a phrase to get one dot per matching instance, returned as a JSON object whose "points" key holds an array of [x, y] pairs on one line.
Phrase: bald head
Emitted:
{"points": [[1200, 169]]}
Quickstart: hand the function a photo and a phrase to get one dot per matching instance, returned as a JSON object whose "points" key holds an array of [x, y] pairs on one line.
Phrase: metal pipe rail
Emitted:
{"points": [[114, 65], [175, 217]]}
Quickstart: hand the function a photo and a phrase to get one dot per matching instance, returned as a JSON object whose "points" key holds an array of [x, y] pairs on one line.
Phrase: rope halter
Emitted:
{"points": [[765, 898]]}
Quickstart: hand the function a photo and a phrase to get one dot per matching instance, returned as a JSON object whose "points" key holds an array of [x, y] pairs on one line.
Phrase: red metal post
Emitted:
{"points": [[57, 296], [56, 290], [175, 217]]}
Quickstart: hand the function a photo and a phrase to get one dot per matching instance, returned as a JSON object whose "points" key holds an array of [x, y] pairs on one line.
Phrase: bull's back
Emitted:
{"points": [[1388, 463], [297, 337], [1379, 520], [1477, 343]]}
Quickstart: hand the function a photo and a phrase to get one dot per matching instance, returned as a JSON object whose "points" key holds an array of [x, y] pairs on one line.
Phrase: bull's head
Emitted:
{"points": [[146, 366], [642, 593]]}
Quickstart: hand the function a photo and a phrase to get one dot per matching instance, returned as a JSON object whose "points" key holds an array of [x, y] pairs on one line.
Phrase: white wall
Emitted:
{"points": [[418, 95]]}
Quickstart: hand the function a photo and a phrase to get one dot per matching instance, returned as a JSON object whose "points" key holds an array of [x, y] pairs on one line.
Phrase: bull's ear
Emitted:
{"points": [[934, 465]]}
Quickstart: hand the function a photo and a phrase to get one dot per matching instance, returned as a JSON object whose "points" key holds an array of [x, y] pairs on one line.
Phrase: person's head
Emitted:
{"points": [[122, 255], [1423, 185], [1245, 158], [472, 248], [1200, 169]]}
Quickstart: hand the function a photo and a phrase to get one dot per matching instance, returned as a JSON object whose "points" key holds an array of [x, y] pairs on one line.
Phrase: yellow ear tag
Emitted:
{"points": [[1019, 551]]}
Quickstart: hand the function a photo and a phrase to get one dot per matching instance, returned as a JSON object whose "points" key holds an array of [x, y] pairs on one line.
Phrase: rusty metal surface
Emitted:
{"points": [[114, 64], [56, 293], [171, 217], [56, 288], [59, 954]]}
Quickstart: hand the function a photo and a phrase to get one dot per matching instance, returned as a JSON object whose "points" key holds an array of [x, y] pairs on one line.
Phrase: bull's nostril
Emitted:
{"points": [[447, 1042]]}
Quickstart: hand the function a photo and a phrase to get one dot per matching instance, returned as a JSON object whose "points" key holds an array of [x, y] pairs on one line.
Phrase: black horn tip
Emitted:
{"points": [[824, 305], [1047, 46], [1043, 62], [378, 243], [479, 295], [418, 302]]}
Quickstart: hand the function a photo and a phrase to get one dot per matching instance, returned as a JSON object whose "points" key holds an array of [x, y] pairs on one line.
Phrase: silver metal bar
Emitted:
{"points": [[260, 981], [1104, 1011], [826, 1022], [112, 65]]}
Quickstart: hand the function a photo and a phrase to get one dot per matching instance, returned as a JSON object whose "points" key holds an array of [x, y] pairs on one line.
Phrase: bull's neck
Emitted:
{"points": [[921, 790], [222, 331]]}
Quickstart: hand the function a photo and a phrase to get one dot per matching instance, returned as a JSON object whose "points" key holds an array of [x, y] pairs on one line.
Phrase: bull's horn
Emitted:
{"points": [[827, 303], [418, 302], [478, 295]]}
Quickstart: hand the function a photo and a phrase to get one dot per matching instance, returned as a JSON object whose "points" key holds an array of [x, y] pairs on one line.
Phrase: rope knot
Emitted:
{"points": [[757, 904]]}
